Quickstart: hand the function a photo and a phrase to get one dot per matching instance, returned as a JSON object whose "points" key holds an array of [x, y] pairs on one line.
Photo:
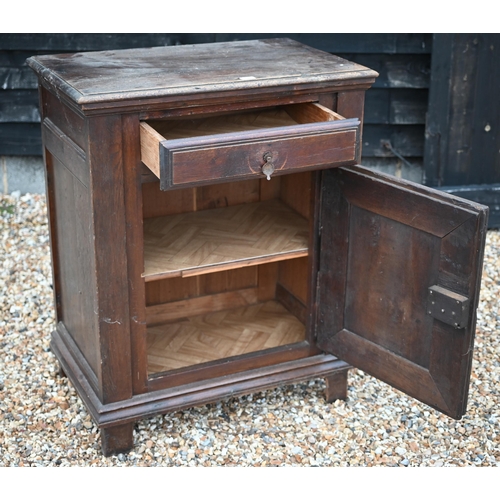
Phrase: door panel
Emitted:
{"points": [[398, 283]]}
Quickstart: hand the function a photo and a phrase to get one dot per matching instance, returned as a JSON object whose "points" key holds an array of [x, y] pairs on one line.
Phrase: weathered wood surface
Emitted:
{"points": [[103, 77], [463, 138], [464, 111]]}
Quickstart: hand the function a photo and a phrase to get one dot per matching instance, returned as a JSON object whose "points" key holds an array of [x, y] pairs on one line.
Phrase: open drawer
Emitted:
{"points": [[185, 152]]}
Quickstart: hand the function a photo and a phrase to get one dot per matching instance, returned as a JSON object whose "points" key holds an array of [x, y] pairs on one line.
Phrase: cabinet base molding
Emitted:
{"points": [[115, 420]]}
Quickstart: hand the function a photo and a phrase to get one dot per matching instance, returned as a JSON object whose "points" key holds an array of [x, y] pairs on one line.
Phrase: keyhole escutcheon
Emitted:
{"points": [[268, 167]]}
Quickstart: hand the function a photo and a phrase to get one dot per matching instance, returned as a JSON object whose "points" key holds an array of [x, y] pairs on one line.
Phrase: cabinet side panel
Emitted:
{"points": [[71, 226], [71, 124]]}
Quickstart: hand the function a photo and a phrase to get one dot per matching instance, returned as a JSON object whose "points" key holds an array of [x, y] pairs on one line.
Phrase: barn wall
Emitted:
{"points": [[395, 111]]}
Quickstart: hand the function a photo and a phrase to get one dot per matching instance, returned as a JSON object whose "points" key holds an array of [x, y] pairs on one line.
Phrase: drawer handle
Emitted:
{"points": [[268, 167]]}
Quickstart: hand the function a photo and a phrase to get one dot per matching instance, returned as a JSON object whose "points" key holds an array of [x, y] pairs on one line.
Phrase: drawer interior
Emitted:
{"points": [[252, 299], [242, 121]]}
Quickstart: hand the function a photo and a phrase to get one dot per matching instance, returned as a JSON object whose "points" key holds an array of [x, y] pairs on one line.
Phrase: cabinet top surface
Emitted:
{"points": [[99, 77]]}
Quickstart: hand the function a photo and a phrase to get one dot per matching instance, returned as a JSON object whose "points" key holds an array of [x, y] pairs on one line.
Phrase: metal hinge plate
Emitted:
{"points": [[447, 306]]}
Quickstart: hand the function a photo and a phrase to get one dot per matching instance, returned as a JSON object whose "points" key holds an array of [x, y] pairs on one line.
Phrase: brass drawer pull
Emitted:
{"points": [[268, 167]]}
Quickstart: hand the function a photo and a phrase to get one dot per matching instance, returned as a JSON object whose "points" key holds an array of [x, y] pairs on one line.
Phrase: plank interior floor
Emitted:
{"points": [[220, 335]]}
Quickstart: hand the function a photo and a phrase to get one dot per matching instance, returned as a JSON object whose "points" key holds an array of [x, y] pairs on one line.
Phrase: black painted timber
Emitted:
{"points": [[394, 107], [462, 147]]}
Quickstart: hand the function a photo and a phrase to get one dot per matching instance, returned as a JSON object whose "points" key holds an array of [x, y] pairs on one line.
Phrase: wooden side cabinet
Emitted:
{"points": [[212, 235]]}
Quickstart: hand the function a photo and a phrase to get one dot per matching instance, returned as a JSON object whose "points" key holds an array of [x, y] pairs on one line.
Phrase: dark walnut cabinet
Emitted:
{"points": [[212, 234]]}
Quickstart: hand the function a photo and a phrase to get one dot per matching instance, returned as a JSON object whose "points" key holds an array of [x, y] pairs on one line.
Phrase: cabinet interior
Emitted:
{"points": [[226, 270]]}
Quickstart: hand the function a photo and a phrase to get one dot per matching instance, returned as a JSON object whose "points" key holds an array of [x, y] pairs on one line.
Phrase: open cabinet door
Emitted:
{"points": [[398, 283]]}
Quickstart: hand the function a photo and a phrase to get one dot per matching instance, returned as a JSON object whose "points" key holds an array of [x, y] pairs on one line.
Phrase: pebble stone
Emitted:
{"points": [[44, 423]]}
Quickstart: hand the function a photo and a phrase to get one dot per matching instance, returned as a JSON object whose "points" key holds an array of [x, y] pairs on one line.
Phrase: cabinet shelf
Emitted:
{"points": [[221, 334], [220, 239]]}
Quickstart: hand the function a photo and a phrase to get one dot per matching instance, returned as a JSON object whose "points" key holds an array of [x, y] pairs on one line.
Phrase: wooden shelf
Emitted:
{"points": [[221, 334], [202, 242]]}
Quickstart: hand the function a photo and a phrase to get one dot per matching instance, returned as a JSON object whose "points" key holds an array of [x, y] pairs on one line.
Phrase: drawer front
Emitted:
{"points": [[264, 152]]}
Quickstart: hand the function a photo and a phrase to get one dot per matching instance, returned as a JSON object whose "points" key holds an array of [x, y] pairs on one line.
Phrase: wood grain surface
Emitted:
{"points": [[180, 70]]}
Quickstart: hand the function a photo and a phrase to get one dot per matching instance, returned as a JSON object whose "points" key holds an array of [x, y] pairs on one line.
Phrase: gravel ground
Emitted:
{"points": [[44, 423]]}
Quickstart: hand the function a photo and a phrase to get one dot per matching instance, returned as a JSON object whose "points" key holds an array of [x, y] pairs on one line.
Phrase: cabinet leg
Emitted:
{"points": [[336, 386], [117, 439], [60, 372]]}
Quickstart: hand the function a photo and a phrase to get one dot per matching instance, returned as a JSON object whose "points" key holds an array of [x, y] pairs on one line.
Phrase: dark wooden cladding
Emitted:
{"points": [[19, 106], [462, 146], [396, 106], [20, 139], [379, 258], [366, 43], [462, 139], [396, 71], [14, 73], [74, 42], [348, 43], [407, 140]]}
